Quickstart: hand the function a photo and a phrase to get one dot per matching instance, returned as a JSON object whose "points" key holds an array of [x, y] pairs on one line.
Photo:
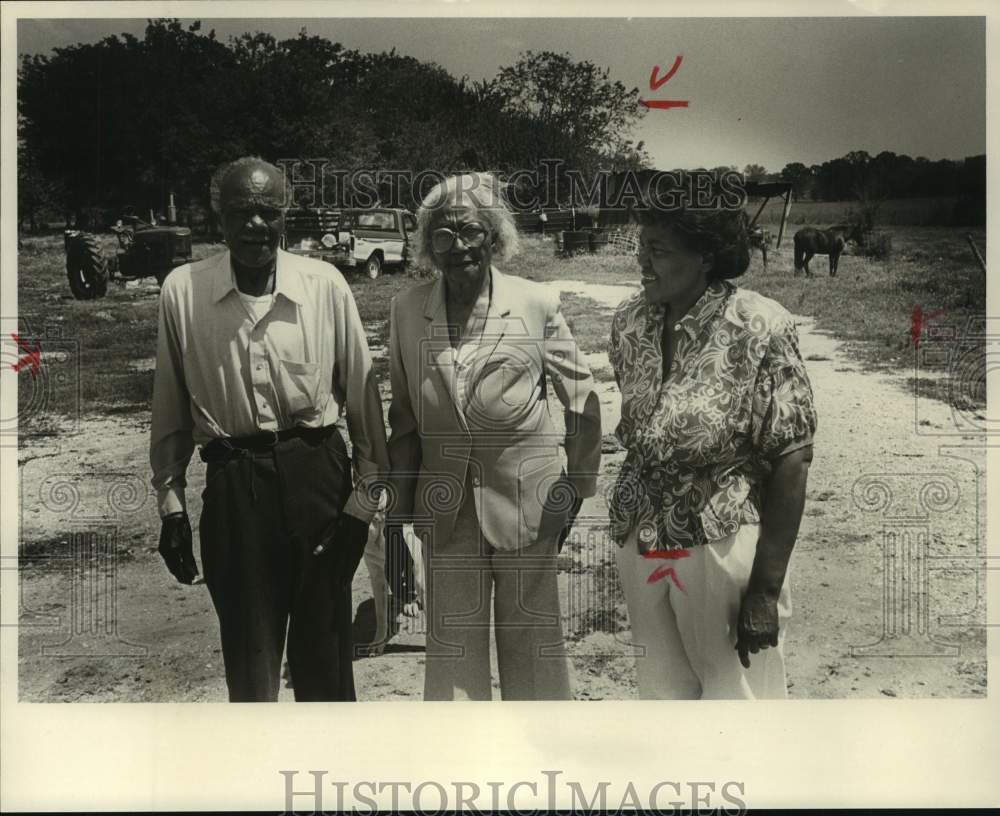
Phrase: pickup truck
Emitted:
{"points": [[312, 232], [373, 240], [376, 239]]}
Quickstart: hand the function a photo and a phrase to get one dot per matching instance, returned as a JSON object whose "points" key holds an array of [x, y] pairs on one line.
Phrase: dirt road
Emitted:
{"points": [[103, 621]]}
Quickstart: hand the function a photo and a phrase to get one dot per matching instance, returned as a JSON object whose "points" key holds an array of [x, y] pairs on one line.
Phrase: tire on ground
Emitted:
{"points": [[373, 266], [86, 268]]}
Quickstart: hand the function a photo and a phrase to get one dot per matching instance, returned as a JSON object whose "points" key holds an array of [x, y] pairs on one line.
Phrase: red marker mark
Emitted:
{"points": [[664, 104], [33, 358], [671, 554], [919, 321], [655, 83], [665, 571]]}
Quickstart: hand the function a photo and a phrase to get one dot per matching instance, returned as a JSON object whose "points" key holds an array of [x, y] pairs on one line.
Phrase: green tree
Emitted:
{"points": [[577, 112], [36, 193], [799, 176], [126, 121]]}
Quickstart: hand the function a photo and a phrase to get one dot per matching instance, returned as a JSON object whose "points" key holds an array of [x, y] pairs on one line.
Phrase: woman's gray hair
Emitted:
{"points": [[223, 171], [482, 191]]}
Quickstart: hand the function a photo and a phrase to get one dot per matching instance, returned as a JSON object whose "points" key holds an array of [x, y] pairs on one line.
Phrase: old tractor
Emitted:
{"points": [[144, 250]]}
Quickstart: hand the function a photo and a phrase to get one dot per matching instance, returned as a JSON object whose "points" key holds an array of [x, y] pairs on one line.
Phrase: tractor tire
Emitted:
{"points": [[373, 266], [86, 268]]}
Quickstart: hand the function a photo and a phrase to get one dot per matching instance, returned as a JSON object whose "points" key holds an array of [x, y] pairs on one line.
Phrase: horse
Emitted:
{"points": [[810, 241]]}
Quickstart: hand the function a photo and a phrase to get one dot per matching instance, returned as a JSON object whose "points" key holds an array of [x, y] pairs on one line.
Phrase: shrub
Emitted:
{"points": [[876, 244]]}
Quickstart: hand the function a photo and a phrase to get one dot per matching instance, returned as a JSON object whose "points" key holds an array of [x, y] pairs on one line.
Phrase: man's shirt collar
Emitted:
{"points": [[288, 280]]}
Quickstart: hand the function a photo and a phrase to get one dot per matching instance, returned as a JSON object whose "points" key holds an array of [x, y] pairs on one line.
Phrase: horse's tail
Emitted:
{"points": [[800, 254]]}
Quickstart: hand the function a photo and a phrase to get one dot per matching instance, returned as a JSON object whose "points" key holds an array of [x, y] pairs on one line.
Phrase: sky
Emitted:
{"points": [[767, 91]]}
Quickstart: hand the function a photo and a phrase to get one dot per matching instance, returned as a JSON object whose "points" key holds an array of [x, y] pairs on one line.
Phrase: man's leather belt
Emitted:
{"points": [[261, 444]]}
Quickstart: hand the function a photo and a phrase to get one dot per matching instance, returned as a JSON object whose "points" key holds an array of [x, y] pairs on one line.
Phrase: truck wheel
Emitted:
{"points": [[373, 266], [161, 275], [86, 268]]}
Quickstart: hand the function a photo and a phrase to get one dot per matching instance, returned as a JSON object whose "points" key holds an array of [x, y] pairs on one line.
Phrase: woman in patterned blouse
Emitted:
{"points": [[718, 422]]}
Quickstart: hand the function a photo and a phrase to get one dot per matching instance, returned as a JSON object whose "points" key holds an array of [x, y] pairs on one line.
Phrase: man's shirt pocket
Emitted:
{"points": [[298, 387]]}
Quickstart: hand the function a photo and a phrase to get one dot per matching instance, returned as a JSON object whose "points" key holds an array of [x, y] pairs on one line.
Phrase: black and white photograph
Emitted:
{"points": [[558, 359]]}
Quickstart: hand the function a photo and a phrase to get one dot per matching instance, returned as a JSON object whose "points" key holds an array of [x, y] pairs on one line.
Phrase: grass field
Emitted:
{"points": [[869, 302], [110, 343], [107, 342], [914, 212]]}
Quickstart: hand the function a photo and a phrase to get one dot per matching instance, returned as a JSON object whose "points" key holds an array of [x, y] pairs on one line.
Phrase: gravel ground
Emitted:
{"points": [[885, 464]]}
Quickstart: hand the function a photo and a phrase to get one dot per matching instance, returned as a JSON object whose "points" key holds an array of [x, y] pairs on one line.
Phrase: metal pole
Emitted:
{"points": [[760, 209], [784, 216], [976, 252]]}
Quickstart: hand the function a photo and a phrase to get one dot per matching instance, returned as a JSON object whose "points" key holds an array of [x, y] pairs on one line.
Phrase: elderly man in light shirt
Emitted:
{"points": [[259, 354]]}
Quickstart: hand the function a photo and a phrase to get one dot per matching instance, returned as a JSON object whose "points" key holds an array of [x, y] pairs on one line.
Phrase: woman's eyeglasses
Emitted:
{"points": [[473, 235]]}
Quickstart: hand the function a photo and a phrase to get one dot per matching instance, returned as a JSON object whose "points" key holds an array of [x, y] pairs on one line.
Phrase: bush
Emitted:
{"points": [[876, 244]]}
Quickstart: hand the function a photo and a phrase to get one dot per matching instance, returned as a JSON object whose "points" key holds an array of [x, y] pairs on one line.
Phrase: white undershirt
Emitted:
{"points": [[257, 307]]}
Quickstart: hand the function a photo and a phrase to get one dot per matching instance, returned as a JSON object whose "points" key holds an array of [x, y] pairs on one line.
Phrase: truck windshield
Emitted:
{"points": [[376, 220]]}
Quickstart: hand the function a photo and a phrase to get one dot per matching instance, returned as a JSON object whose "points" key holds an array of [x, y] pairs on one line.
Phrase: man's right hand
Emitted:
{"points": [[176, 547]]}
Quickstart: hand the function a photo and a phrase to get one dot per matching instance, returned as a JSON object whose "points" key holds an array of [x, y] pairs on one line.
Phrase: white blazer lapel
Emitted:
{"points": [[439, 352], [498, 323]]}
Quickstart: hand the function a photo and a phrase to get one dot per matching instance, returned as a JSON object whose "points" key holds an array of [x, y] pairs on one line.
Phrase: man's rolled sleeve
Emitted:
{"points": [[570, 375], [171, 440], [355, 383]]}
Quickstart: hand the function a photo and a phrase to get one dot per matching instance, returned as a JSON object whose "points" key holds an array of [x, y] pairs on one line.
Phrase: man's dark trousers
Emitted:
{"points": [[263, 513]]}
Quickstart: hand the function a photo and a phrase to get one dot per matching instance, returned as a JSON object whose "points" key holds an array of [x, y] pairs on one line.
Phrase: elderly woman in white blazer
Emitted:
{"points": [[476, 461]]}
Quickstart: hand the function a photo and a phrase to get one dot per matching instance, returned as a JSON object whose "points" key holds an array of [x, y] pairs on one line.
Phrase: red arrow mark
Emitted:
{"points": [[664, 571], [655, 83], [33, 358]]}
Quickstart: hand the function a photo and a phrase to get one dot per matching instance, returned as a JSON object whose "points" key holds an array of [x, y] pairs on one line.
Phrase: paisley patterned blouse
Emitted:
{"points": [[700, 443]]}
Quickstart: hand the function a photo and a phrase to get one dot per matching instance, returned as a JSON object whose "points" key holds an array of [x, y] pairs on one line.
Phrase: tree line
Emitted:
{"points": [[128, 121], [859, 176]]}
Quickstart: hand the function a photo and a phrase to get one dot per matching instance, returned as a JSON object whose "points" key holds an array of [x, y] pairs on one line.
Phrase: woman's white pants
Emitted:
{"points": [[684, 623]]}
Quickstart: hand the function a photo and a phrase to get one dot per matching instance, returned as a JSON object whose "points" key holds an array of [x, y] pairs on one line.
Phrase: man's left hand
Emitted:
{"points": [[757, 625], [345, 546]]}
